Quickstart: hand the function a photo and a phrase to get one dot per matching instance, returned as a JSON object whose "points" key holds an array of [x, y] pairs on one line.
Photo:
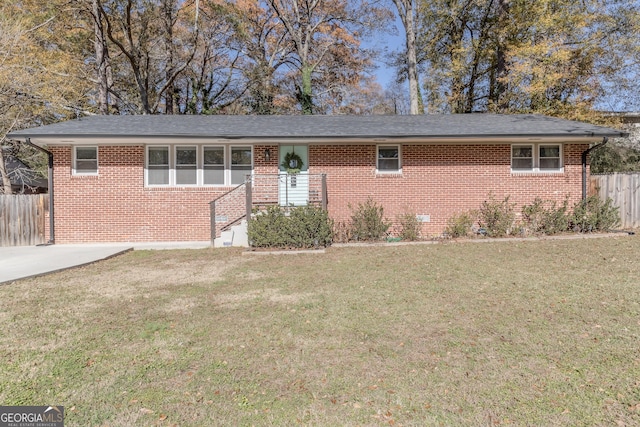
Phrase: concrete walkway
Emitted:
{"points": [[22, 262]]}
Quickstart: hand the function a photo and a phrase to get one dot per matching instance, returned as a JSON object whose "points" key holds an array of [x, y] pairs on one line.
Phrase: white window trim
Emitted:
{"points": [[225, 149], [174, 169], [75, 170], [146, 165], [228, 166], [535, 151], [395, 171], [199, 164]]}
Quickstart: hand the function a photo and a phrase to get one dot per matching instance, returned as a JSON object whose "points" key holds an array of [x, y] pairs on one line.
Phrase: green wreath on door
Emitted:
{"points": [[292, 163]]}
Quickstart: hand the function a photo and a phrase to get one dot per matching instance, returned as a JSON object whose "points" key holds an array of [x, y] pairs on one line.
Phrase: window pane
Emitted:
{"points": [[388, 164], [214, 156], [549, 151], [549, 163], [86, 165], [241, 156], [87, 153], [214, 175], [158, 175], [186, 175], [522, 152], [239, 174], [388, 152], [186, 156], [522, 164], [159, 156]]}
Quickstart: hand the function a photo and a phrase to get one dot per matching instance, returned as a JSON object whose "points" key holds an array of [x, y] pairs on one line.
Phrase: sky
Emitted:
{"points": [[386, 43]]}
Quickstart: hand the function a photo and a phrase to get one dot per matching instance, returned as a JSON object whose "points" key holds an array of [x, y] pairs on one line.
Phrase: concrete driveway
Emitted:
{"points": [[29, 261]]}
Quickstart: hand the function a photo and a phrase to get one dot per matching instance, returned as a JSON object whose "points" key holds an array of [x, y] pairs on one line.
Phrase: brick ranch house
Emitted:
{"points": [[153, 178]]}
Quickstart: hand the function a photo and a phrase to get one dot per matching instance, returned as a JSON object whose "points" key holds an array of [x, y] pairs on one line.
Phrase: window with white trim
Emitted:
{"points": [[549, 155], [213, 165], [186, 165], [240, 164], [85, 160], [536, 158], [197, 165], [158, 165], [388, 158]]}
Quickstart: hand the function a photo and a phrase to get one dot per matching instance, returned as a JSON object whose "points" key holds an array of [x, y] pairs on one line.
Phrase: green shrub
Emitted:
{"points": [[310, 226], [496, 217], [540, 219], [593, 214], [459, 225], [367, 221], [265, 228], [304, 227], [410, 227]]}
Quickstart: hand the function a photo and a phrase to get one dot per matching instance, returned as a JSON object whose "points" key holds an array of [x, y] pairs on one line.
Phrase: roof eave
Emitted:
{"points": [[79, 139]]}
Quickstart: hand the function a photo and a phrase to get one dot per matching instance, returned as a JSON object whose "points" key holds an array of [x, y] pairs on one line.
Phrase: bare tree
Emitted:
{"points": [[132, 26], [406, 11]]}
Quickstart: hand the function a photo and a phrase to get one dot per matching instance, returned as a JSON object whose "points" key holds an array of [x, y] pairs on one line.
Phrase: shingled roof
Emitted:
{"points": [[456, 126]]}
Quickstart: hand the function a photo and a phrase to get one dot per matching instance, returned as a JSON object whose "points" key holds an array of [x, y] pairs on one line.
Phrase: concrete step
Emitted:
{"points": [[225, 240], [235, 237], [240, 235]]}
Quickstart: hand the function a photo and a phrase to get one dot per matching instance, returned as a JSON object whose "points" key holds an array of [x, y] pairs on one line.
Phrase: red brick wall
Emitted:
{"points": [[115, 206], [436, 180]]}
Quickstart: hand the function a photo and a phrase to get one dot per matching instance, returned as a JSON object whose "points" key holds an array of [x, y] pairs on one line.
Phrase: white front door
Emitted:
{"points": [[294, 175]]}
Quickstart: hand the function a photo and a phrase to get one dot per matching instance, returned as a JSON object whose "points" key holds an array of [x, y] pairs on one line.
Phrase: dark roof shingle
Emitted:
{"points": [[310, 127]]}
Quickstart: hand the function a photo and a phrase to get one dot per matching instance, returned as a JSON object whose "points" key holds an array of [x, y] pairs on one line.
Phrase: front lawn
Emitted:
{"points": [[505, 333]]}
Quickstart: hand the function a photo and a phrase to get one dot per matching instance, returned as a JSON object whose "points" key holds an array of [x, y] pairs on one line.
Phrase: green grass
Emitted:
{"points": [[517, 333]]}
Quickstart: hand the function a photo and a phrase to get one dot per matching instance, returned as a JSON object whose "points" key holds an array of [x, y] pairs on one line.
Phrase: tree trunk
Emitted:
{"points": [[405, 11], [306, 95], [501, 65], [100, 44], [6, 182], [169, 51]]}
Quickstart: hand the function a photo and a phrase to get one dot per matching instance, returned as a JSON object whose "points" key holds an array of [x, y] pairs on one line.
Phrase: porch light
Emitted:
{"points": [[267, 154]]}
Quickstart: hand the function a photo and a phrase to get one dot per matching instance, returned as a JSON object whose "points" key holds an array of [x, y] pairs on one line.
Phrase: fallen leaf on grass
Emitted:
{"points": [[146, 411]]}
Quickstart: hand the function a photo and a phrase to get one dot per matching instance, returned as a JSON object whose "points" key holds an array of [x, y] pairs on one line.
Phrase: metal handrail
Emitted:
{"points": [[264, 189], [212, 210]]}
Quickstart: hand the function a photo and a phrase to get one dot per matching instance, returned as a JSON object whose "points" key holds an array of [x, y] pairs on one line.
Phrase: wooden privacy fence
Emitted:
{"points": [[624, 190], [22, 219]]}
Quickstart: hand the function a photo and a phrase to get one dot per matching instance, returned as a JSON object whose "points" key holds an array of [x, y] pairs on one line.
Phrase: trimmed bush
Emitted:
{"points": [[410, 227], [496, 217], [593, 214], [367, 221], [310, 227], [540, 219], [459, 225], [304, 227]]}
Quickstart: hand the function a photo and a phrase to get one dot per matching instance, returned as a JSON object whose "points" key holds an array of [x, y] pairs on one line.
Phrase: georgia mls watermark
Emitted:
{"points": [[31, 416]]}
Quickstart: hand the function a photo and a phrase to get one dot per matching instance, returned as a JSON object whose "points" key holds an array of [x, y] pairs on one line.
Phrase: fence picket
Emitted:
{"points": [[22, 219], [624, 190]]}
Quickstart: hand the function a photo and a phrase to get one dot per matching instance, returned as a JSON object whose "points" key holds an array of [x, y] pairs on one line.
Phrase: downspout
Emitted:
{"points": [[584, 165], [52, 234]]}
